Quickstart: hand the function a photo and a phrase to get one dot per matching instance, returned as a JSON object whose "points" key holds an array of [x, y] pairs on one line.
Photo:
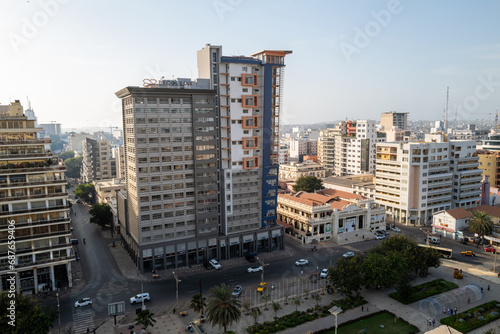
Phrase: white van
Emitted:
{"points": [[434, 240]]}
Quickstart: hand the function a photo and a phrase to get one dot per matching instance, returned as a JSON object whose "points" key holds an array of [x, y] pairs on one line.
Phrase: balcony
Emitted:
{"points": [[39, 263], [394, 191], [26, 142], [26, 197], [33, 183], [36, 223], [440, 190], [37, 249], [38, 236], [26, 155], [31, 167], [37, 210]]}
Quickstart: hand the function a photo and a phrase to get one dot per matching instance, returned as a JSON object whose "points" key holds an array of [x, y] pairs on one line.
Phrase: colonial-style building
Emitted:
{"points": [[451, 223], [329, 215]]}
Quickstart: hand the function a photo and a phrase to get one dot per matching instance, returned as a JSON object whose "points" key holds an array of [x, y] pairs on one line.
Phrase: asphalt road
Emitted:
{"points": [[107, 285]]}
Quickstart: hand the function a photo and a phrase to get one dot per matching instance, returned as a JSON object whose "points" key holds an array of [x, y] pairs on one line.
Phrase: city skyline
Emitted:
{"points": [[357, 59]]}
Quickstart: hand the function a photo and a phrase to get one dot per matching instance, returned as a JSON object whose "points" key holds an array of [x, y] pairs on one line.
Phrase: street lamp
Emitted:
{"points": [[177, 281], [263, 265], [335, 311], [58, 312]]}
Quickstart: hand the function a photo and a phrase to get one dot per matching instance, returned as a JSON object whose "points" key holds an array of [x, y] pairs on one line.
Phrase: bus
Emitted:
{"points": [[445, 252]]}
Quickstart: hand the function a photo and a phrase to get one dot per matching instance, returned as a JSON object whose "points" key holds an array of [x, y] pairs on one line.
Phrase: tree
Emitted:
{"points": [[276, 307], [101, 214], [198, 303], [73, 166], [246, 305], [308, 184], [347, 275], [30, 316], [56, 143], [67, 155], [85, 191], [255, 312], [480, 223], [222, 308], [145, 319], [266, 300], [297, 302], [317, 297]]}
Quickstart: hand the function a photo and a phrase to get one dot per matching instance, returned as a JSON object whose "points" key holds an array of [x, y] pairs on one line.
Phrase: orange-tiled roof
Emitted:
{"points": [[493, 211], [316, 199], [341, 194], [459, 213]]}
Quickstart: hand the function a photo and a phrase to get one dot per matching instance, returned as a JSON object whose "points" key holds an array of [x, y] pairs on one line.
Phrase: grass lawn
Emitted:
{"points": [[425, 290], [372, 325]]}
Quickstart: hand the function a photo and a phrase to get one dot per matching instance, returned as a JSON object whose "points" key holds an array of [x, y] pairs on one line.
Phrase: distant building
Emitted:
{"points": [[118, 154], [52, 128], [106, 189], [283, 155], [492, 143], [489, 163], [97, 163], [363, 184], [76, 141], [293, 171], [394, 120], [299, 147], [329, 215]]}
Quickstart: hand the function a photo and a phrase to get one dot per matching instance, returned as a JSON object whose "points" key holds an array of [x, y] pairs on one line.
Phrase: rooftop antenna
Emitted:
{"points": [[446, 110]]}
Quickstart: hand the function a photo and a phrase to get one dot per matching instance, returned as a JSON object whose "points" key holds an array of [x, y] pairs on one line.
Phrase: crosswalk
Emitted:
{"points": [[83, 318]]}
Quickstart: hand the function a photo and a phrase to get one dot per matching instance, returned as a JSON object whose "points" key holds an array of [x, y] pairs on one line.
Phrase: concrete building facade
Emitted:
{"points": [[97, 163], [34, 209], [293, 171]]}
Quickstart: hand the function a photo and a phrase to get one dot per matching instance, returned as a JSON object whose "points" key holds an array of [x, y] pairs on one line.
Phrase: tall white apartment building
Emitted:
{"points": [[326, 147], [283, 154], [97, 163], [416, 179], [355, 147]]}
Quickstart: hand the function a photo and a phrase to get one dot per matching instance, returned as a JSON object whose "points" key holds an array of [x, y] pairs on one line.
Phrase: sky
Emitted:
{"points": [[351, 59]]}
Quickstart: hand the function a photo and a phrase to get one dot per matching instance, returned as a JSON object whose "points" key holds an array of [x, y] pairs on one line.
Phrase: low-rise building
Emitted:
{"points": [[451, 223], [293, 171], [329, 215], [363, 184], [106, 189]]}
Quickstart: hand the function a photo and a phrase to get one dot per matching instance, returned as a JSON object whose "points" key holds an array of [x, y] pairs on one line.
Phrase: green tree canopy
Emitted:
{"points": [[73, 166], [30, 316], [347, 275], [85, 191], [101, 214], [145, 319], [57, 144], [198, 303], [222, 308], [308, 184], [67, 155], [481, 223]]}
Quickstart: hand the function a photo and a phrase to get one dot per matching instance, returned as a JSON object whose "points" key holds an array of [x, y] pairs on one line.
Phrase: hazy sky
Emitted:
{"points": [[351, 59]]}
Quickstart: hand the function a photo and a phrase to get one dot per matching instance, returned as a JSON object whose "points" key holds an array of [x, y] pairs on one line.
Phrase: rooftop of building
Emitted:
{"points": [[335, 198], [366, 181], [492, 211], [111, 183], [459, 213]]}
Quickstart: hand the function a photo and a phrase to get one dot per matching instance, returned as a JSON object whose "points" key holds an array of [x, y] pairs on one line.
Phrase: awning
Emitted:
{"points": [[285, 225]]}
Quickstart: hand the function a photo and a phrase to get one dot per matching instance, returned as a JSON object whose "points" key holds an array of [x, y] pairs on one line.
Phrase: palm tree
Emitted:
{"points": [[222, 308], [255, 312], [145, 319], [481, 223], [276, 307], [198, 303]]}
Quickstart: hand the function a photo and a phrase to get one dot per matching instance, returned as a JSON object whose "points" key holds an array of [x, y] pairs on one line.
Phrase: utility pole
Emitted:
{"points": [[263, 265], [177, 281]]}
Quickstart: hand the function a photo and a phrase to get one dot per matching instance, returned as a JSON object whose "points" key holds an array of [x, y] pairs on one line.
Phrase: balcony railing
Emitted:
{"points": [[26, 197], [37, 249], [40, 262], [50, 208], [38, 236], [32, 183], [40, 222]]}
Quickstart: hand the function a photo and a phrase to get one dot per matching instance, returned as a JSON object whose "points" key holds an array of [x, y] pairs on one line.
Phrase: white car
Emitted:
{"points": [[324, 273], [254, 269], [301, 262], [215, 264], [237, 291], [348, 254], [395, 229], [380, 236], [83, 302], [140, 297]]}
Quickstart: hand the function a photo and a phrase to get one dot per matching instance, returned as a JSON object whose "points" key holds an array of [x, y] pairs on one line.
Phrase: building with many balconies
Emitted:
{"points": [[416, 179], [34, 208], [293, 171]]}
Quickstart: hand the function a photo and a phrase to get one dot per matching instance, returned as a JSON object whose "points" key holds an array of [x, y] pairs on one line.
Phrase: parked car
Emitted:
{"points": [[262, 286], [348, 254], [83, 302], [250, 258], [208, 265], [78, 201], [237, 291], [324, 273], [140, 297], [301, 262], [490, 250], [380, 236], [254, 269], [215, 264], [469, 253], [395, 229]]}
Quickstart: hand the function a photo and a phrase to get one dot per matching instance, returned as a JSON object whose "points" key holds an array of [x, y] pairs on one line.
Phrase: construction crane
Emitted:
{"points": [[490, 113]]}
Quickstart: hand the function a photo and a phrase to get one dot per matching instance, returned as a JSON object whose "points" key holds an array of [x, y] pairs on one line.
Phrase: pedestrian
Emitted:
{"points": [[301, 272], [362, 308], [173, 311], [449, 312], [482, 289], [433, 322], [488, 287], [88, 330], [363, 236], [367, 309], [93, 331], [444, 310], [468, 301], [455, 310]]}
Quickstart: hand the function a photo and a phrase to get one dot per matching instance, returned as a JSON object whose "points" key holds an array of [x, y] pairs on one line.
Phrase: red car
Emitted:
{"points": [[490, 249]]}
